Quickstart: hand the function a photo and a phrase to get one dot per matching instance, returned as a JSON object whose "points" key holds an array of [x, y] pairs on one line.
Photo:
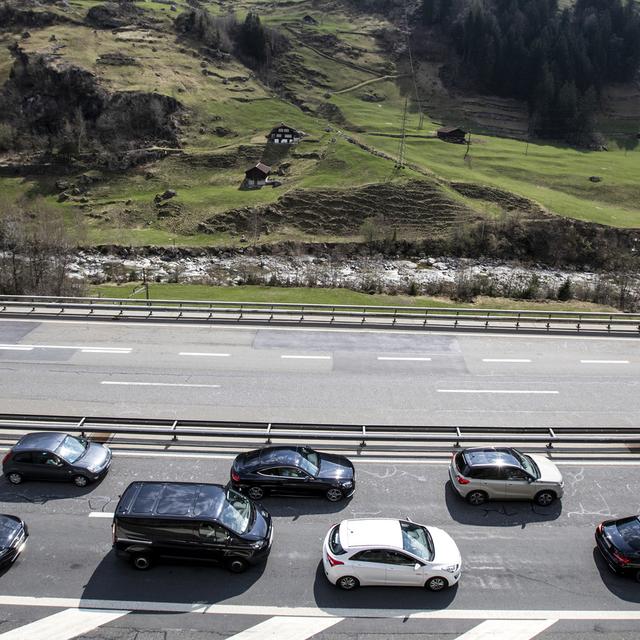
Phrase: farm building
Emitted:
{"points": [[256, 177], [452, 134], [284, 134]]}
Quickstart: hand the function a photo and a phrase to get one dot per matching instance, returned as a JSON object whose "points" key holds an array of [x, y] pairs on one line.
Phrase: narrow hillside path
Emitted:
{"points": [[371, 81]]}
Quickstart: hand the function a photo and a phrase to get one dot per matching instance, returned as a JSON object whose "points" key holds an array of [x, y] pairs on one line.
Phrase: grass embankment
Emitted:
{"points": [[302, 295], [228, 95]]}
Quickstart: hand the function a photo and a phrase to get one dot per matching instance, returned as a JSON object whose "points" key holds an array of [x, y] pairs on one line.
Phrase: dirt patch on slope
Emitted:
{"points": [[420, 207], [505, 199]]}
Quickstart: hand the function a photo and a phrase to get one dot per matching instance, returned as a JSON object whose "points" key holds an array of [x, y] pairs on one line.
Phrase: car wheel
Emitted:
{"points": [[476, 498], [15, 478], [141, 561], [334, 494], [237, 565], [348, 583], [80, 481], [256, 493], [544, 498], [436, 583]]}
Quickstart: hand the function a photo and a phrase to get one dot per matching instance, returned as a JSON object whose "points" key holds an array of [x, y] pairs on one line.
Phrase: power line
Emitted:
{"points": [[413, 72]]}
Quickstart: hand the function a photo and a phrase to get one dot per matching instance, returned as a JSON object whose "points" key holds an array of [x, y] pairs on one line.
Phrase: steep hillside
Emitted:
{"points": [[146, 128]]}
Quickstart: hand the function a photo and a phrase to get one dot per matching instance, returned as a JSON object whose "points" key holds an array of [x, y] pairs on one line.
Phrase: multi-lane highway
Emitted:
{"points": [[317, 375], [528, 571]]}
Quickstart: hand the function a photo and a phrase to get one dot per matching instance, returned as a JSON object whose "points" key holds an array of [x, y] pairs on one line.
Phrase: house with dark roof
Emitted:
{"points": [[452, 134], [256, 177], [284, 134]]}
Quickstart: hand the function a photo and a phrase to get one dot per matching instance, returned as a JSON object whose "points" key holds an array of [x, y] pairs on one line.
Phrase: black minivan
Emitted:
{"points": [[193, 521]]}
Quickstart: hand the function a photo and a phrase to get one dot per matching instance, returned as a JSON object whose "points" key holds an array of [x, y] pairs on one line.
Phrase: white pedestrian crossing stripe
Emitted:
{"points": [[507, 630], [286, 628], [63, 625]]}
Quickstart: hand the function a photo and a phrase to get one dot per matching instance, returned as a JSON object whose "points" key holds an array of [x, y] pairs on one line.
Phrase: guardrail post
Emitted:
{"points": [[553, 435], [81, 426], [333, 315], [459, 435], [364, 435], [268, 434], [173, 428]]}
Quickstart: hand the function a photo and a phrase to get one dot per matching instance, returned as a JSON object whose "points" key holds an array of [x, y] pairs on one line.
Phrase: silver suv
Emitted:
{"points": [[492, 473]]}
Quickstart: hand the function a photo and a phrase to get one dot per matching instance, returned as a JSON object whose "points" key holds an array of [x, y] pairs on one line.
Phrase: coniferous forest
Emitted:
{"points": [[557, 60]]}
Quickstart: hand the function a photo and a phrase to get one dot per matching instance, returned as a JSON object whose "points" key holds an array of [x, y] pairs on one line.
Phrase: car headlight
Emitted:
{"points": [[348, 484], [450, 568], [94, 468], [258, 545]]}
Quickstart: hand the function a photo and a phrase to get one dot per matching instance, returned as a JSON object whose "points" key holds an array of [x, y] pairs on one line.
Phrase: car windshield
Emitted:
{"points": [[236, 513], [527, 464], [72, 449], [416, 540], [310, 460]]}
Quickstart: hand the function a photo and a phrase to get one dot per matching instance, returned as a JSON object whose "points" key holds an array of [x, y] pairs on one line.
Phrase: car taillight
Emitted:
{"points": [[113, 533], [462, 480], [7, 458], [599, 528], [621, 558], [234, 476], [333, 562]]}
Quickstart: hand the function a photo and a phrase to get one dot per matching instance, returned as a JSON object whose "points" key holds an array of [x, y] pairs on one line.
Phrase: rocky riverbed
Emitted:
{"points": [[431, 275]]}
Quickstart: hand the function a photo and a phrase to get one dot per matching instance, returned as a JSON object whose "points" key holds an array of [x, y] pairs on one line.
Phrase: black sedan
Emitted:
{"points": [[13, 538], [619, 543], [56, 456], [293, 471]]}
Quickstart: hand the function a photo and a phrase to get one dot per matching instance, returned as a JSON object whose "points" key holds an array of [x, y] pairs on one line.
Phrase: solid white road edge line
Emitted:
{"points": [[279, 628], [64, 625], [16, 348], [101, 514], [159, 384], [258, 327], [237, 609], [520, 391], [211, 355], [356, 460], [507, 630], [505, 360]]}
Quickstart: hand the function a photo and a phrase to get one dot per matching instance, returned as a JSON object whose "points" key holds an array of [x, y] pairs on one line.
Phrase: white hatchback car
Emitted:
{"points": [[381, 551]]}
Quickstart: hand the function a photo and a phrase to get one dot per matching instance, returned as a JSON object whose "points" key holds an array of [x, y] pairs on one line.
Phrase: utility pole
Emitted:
{"points": [[413, 72], [400, 162]]}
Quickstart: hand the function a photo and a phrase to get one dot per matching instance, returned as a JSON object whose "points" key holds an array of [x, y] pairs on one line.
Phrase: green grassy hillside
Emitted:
{"points": [[336, 68]]}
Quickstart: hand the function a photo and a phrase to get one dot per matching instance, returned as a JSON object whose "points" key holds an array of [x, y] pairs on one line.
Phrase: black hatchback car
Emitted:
{"points": [[13, 538], [619, 543], [293, 471], [56, 456], [190, 521]]}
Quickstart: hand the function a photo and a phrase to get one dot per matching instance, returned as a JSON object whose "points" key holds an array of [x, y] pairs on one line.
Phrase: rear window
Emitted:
{"points": [[334, 541], [146, 498], [630, 532]]}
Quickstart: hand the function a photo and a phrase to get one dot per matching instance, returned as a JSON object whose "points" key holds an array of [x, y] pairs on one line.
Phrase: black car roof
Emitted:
{"points": [[272, 455], [49, 440], [172, 499], [489, 457]]}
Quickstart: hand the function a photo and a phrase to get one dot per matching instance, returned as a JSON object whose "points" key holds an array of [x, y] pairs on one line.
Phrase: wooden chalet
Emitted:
{"points": [[256, 177], [452, 134], [284, 134]]}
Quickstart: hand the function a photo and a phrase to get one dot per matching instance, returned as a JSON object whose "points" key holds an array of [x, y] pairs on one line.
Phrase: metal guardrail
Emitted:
{"points": [[211, 434], [195, 311]]}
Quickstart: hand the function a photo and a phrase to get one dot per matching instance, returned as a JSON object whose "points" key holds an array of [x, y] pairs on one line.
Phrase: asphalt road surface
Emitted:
{"points": [[367, 377], [522, 564]]}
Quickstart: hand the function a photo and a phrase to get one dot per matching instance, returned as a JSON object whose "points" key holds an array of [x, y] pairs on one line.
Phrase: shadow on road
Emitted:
{"points": [[35, 492], [302, 506], [499, 513], [167, 581], [328, 596], [623, 587]]}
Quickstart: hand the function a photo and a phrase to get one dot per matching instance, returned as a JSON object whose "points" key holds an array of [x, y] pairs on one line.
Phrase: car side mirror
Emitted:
{"points": [[417, 566]]}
